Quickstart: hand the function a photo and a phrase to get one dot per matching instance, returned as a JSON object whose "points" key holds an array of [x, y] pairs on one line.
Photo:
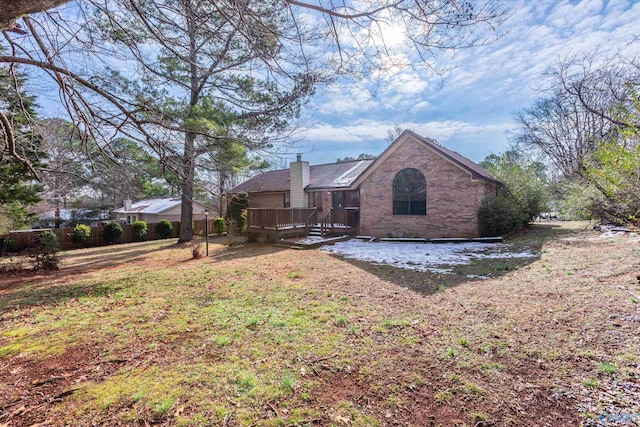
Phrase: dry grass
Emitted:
{"points": [[142, 334]]}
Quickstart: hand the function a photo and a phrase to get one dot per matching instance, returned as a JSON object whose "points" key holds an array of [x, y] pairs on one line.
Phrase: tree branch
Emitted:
{"points": [[10, 10]]}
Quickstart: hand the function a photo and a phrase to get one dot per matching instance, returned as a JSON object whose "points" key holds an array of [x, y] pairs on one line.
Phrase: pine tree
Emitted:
{"points": [[17, 187]]}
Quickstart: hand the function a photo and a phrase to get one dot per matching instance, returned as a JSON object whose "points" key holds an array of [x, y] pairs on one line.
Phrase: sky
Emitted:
{"points": [[472, 109]]}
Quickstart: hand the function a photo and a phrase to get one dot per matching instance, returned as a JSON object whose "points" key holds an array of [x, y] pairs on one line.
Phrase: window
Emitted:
{"points": [[287, 200], [352, 199], [409, 193], [345, 199], [337, 200], [315, 200]]}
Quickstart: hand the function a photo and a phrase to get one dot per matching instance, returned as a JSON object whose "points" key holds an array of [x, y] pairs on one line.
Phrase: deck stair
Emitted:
{"points": [[316, 230]]}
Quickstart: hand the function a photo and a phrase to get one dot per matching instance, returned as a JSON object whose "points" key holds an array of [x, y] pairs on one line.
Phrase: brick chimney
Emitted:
{"points": [[299, 176], [127, 204]]}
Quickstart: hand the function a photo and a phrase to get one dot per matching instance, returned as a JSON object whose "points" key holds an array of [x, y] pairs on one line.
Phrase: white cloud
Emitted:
{"points": [[344, 99], [370, 130], [408, 83], [422, 106]]}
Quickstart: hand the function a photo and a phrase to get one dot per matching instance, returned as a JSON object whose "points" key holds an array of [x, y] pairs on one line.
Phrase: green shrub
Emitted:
{"points": [[219, 225], [81, 234], [45, 256], [614, 169], [575, 199], [111, 233], [237, 211], [164, 229], [139, 231], [524, 195], [7, 245], [501, 215]]}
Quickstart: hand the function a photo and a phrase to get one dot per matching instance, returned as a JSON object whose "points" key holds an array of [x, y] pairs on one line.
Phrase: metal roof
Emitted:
{"points": [[153, 206]]}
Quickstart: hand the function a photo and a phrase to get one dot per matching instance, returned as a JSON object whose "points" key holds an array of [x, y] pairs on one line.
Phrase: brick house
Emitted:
{"points": [[415, 188]]}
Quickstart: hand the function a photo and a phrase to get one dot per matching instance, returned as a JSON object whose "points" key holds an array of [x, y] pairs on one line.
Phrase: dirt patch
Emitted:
{"points": [[30, 387], [263, 336]]}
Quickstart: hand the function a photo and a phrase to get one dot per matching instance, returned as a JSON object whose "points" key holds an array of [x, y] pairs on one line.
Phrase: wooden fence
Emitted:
{"points": [[26, 239]]}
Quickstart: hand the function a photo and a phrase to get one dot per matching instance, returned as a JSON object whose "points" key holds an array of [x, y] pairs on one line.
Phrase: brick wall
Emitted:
{"points": [[453, 198]]}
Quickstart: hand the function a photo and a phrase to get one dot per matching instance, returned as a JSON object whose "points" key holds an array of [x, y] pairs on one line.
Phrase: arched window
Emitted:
{"points": [[409, 193]]}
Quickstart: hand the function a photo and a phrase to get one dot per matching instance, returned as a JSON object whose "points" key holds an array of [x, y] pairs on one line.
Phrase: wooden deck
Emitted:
{"points": [[281, 223], [277, 223]]}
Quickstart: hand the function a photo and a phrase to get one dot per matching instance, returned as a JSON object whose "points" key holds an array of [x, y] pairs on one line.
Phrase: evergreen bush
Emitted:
{"points": [[501, 215], [111, 233], [45, 256], [7, 245], [164, 229], [237, 211], [80, 234], [219, 224], [139, 231]]}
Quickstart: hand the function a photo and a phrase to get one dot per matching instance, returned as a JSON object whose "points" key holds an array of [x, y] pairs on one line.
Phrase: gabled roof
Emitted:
{"points": [[269, 181], [153, 206], [329, 175], [475, 170], [351, 173]]}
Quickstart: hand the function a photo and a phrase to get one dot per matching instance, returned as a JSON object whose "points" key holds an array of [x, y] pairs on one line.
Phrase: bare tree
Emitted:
{"points": [[586, 106], [605, 87], [394, 133], [63, 174], [588, 127], [562, 129], [287, 46]]}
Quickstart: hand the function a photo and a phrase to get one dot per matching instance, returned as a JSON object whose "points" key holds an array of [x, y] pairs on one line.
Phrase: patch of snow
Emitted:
{"points": [[309, 240], [422, 256], [610, 234], [347, 177]]}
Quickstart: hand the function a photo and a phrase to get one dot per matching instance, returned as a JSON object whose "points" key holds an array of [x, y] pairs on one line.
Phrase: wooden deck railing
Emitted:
{"points": [[337, 219], [280, 219]]}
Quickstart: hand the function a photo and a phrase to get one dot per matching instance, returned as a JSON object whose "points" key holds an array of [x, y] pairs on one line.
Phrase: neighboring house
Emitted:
{"points": [[415, 188], [71, 217], [157, 209]]}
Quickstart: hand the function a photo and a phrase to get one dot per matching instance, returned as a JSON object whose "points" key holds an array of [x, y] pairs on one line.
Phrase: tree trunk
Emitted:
{"points": [[222, 197], [188, 159], [186, 214]]}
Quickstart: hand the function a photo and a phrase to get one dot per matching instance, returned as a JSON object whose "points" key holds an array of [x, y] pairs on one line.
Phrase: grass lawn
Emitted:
{"points": [[141, 334]]}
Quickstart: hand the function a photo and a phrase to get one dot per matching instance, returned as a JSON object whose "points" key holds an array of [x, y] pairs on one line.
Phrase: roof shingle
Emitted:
{"points": [[344, 174], [329, 175]]}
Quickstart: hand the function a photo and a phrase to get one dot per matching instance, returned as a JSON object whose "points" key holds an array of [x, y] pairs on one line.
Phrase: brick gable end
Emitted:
{"points": [[453, 197]]}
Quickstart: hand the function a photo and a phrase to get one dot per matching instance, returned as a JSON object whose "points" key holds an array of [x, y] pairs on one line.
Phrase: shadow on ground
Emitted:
{"points": [[50, 295], [113, 254], [29, 288], [248, 250], [530, 239]]}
